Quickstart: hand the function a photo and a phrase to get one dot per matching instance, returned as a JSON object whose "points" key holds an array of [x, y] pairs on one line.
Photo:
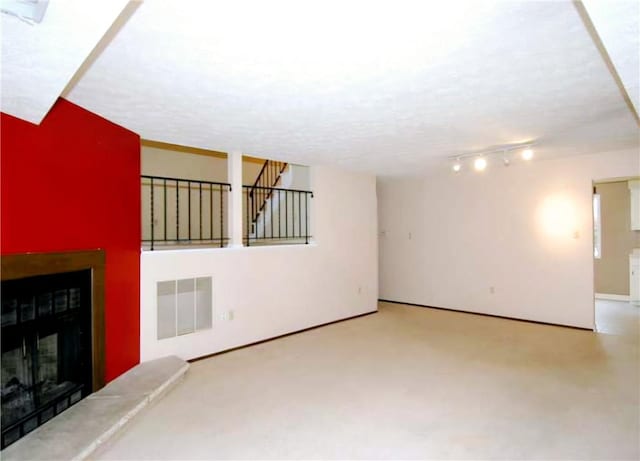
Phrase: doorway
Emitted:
{"points": [[616, 251]]}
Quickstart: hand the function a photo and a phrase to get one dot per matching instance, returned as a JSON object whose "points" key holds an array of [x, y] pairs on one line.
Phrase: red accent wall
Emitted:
{"points": [[73, 183]]}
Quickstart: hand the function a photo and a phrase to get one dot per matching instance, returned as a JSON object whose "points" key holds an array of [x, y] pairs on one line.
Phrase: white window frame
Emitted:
{"points": [[597, 227]]}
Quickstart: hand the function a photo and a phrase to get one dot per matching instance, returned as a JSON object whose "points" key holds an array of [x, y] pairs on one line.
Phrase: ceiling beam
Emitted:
{"points": [[615, 29], [40, 59]]}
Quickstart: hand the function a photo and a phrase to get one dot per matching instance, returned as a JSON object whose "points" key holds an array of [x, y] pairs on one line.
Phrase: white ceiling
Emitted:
{"points": [[389, 87], [39, 60], [618, 26]]}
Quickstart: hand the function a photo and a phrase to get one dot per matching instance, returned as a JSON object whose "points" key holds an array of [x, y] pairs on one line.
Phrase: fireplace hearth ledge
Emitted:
{"points": [[80, 430]]}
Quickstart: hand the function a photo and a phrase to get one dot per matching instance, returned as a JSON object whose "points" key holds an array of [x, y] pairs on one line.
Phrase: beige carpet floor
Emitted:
{"points": [[617, 318], [405, 383]]}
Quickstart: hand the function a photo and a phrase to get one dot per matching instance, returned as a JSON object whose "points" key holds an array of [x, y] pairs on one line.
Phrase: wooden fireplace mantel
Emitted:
{"points": [[17, 266]]}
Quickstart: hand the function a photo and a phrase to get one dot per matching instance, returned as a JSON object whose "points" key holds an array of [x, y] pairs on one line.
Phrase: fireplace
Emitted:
{"points": [[52, 336]]}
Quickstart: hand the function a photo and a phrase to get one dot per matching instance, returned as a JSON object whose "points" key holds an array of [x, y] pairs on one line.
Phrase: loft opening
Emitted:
{"points": [[277, 202]]}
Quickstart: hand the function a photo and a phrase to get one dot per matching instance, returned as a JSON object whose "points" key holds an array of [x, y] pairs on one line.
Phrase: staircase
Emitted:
{"points": [[260, 195]]}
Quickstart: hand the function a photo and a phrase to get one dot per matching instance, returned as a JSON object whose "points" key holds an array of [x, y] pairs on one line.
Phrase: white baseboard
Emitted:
{"points": [[609, 297]]}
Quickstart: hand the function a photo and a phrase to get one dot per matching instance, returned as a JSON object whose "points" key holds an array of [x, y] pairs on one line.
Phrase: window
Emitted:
{"points": [[597, 227]]}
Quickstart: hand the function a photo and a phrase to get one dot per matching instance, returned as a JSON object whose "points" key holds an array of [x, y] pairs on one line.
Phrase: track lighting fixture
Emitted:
{"points": [[482, 159], [480, 163], [505, 158], [527, 154]]}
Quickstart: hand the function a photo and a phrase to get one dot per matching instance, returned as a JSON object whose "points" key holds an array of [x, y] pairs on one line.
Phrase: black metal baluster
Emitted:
{"points": [[249, 223], [177, 210], [211, 238], [189, 207], [279, 213], [306, 218], [200, 210], [264, 221], [152, 215], [249, 212], [165, 210], [221, 191], [286, 213], [299, 216], [271, 206]]}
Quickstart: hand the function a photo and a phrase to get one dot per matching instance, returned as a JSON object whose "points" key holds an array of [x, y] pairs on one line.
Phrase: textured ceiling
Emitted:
{"points": [[389, 87], [618, 26], [39, 60]]}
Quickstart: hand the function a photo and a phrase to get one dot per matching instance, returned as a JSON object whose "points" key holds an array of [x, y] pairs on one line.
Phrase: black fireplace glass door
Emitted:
{"points": [[46, 349], [18, 393]]}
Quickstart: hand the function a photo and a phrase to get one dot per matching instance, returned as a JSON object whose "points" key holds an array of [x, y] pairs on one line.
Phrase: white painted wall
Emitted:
{"points": [[278, 289], [509, 228], [296, 177]]}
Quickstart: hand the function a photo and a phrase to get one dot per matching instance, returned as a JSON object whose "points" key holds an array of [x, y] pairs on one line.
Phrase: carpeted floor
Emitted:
{"points": [[617, 318], [407, 382]]}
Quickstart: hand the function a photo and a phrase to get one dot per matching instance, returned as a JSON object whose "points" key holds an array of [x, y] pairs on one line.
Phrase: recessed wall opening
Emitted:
{"points": [[184, 192], [52, 336], [277, 202]]}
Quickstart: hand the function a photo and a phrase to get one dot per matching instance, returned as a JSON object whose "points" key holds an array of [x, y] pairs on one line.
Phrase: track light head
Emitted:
{"points": [[480, 159], [480, 163], [506, 161]]}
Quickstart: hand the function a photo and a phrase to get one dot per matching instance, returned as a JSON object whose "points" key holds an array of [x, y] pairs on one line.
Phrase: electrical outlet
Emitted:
{"points": [[492, 290], [359, 290], [226, 315]]}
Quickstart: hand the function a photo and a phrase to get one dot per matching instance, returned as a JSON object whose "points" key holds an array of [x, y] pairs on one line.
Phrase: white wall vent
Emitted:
{"points": [[184, 306]]}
